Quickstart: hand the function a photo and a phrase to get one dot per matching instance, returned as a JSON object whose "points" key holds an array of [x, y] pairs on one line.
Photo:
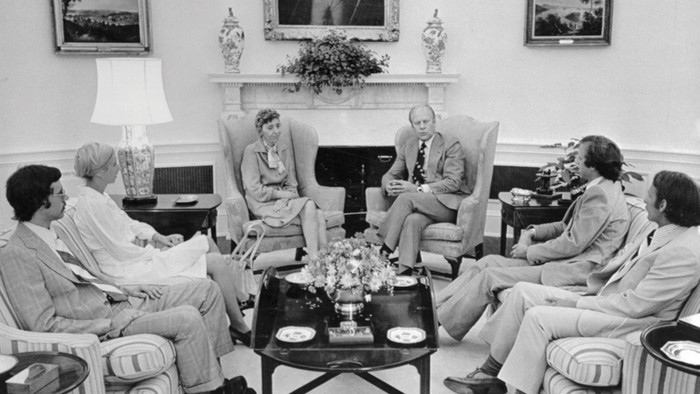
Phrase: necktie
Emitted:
{"points": [[418, 170], [112, 292]]}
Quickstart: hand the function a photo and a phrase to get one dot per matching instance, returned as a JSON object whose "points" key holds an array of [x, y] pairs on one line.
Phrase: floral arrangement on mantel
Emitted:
{"points": [[332, 61], [565, 172], [349, 264]]}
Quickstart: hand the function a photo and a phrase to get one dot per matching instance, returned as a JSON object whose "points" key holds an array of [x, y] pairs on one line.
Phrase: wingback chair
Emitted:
{"points": [[452, 240], [142, 363], [235, 135]]}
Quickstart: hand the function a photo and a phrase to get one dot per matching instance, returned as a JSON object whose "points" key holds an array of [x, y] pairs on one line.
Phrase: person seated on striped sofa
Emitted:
{"points": [[50, 293], [647, 283]]}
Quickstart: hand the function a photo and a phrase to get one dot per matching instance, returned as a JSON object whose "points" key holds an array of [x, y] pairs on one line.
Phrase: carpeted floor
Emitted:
{"points": [[452, 358]]}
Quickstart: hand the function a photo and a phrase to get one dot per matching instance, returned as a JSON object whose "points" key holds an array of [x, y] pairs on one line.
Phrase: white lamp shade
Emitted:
{"points": [[130, 92]]}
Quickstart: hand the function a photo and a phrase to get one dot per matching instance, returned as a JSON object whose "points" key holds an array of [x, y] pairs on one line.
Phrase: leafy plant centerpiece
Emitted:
{"points": [[349, 265], [564, 173], [332, 61]]}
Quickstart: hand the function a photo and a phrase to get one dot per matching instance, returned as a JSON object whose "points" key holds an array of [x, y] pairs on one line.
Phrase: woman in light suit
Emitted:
{"points": [[270, 184]]}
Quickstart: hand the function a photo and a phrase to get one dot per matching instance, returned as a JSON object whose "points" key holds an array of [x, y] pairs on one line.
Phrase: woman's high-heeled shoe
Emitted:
{"points": [[242, 337]]}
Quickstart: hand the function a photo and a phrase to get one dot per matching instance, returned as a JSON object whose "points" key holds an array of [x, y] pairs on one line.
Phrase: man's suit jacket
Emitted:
{"points": [[592, 230], [46, 294], [445, 170], [656, 283]]}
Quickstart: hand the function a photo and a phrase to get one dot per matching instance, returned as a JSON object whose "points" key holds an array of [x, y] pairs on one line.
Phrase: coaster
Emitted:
{"points": [[684, 351], [295, 334], [406, 335]]}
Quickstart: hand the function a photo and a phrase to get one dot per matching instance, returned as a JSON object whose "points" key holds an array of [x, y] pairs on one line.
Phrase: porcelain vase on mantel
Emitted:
{"points": [[434, 40], [232, 42]]}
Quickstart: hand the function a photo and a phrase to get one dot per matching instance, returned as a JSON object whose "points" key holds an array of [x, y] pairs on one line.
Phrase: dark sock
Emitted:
{"points": [[491, 366]]}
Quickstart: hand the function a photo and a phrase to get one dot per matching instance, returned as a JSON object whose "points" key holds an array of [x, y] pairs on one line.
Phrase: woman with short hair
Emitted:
{"points": [[270, 184]]}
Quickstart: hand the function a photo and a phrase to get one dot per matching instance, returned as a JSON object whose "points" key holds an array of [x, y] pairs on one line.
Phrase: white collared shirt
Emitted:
{"points": [[49, 236]]}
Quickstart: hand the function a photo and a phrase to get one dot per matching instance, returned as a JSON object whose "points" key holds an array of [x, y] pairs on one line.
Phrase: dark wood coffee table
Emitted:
{"points": [[282, 304], [72, 370]]}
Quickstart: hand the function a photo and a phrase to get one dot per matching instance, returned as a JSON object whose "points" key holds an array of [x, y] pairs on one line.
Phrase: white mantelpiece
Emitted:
{"points": [[357, 116]]}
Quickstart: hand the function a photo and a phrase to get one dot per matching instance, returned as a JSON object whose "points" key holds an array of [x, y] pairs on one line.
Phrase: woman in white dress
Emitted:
{"points": [[114, 238]]}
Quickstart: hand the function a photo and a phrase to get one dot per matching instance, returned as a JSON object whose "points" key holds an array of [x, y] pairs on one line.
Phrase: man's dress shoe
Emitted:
{"points": [[477, 382]]}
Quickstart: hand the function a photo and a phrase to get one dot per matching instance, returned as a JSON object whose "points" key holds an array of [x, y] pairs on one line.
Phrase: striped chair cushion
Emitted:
{"points": [[135, 358], [588, 361], [555, 383], [165, 383]]}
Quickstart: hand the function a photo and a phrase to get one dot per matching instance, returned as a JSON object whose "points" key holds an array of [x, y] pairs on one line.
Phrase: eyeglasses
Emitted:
{"points": [[62, 195]]}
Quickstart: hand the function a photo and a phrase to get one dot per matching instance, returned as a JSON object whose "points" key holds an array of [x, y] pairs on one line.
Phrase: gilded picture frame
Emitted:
{"points": [[365, 20], [568, 22], [92, 27]]}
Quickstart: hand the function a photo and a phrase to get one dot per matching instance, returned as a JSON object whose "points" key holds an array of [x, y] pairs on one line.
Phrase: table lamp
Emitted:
{"points": [[130, 94]]}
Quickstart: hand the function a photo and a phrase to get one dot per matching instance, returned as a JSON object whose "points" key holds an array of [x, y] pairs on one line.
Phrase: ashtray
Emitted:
{"points": [[295, 334], [186, 199], [406, 335], [297, 278], [405, 281], [684, 351]]}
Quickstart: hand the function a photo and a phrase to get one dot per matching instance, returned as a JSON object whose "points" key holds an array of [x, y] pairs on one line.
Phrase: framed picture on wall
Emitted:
{"points": [[366, 20], [102, 27], [568, 22]]}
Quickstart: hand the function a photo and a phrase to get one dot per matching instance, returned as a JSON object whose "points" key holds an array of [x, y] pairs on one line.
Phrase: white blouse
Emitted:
{"points": [[110, 234]]}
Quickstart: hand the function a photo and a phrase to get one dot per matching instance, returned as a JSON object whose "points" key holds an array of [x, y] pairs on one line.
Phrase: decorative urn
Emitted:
{"points": [[434, 39], [232, 42]]}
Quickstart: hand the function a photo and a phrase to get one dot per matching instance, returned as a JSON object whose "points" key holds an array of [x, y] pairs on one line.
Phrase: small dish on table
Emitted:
{"points": [[186, 199]]}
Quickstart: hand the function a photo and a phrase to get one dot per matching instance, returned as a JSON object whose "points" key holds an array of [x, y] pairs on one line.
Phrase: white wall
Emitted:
{"points": [[643, 90]]}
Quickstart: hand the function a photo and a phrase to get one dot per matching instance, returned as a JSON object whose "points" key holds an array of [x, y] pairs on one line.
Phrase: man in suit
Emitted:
{"points": [[50, 292], [429, 182], [562, 253], [649, 286]]}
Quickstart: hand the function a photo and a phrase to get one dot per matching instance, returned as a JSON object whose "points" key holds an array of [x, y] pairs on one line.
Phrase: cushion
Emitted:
{"points": [[588, 361], [167, 382], [555, 383], [136, 357]]}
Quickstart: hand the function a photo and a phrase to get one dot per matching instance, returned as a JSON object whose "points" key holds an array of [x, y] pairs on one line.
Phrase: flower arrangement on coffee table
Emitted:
{"points": [[349, 264]]}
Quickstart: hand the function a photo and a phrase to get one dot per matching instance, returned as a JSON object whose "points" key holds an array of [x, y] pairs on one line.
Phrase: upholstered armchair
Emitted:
{"points": [[610, 365], [235, 135], [452, 240], [138, 363]]}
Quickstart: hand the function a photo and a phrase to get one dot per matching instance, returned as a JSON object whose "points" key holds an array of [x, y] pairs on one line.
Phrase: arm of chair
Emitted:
{"points": [[468, 216], [377, 200], [85, 346], [237, 214], [326, 197]]}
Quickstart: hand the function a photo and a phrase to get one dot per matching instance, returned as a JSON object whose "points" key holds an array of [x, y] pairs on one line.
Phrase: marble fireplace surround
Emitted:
{"points": [[357, 117]]}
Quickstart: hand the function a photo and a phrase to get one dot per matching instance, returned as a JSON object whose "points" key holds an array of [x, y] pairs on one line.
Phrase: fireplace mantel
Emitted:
{"points": [[357, 116]]}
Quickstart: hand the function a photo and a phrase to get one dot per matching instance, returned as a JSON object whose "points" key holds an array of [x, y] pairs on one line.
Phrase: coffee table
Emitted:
{"points": [[281, 304]]}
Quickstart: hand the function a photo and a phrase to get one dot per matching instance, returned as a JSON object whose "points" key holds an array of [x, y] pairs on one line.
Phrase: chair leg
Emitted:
{"points": [[299, 254], [479, 251], [455, 264], [233, 246], [419, 258]]}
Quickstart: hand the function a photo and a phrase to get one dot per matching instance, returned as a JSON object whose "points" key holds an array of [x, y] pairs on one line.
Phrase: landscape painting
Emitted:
{"points": [[568, 22], [101, 26]]}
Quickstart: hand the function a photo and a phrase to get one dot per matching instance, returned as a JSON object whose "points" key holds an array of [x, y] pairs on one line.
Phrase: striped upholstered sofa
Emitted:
{"points": [[135, 364], [607, 365]]}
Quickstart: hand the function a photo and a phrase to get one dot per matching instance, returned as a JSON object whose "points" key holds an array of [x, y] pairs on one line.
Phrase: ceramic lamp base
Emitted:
{"points": [[137, 161]]}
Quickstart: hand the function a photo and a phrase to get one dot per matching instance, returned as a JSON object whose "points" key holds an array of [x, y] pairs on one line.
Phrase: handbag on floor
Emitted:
{"points": [[242, 262]]}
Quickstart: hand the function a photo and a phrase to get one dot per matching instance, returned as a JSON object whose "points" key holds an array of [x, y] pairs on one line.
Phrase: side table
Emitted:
{"points": [[521, 215], [169, 217], [72, 370], [655, 337]]}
